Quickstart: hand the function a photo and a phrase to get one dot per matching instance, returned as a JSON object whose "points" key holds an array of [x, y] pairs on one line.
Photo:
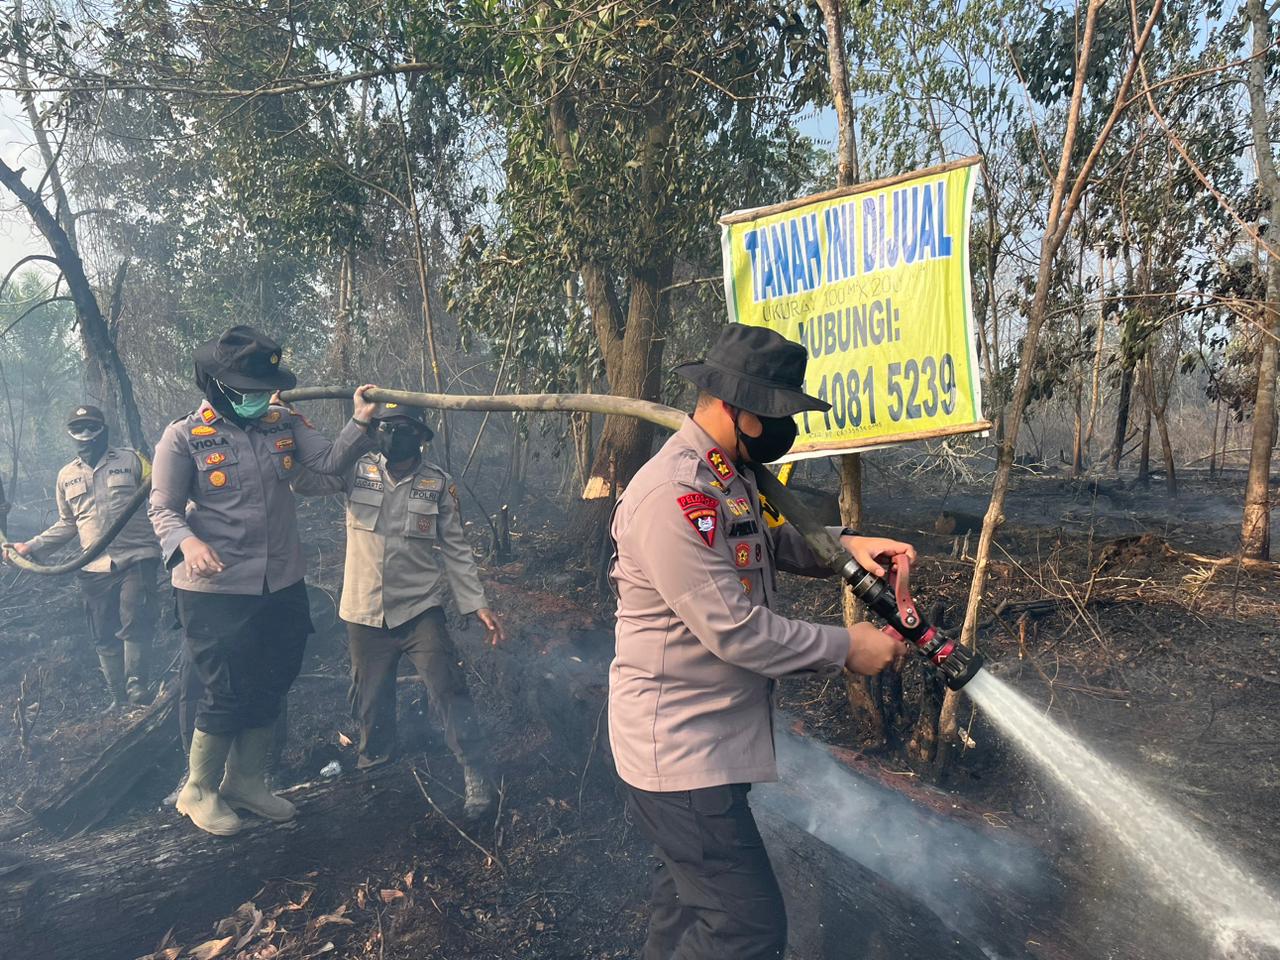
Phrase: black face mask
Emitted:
{"points": [[400, 443], [775, 439], [91, 451]]}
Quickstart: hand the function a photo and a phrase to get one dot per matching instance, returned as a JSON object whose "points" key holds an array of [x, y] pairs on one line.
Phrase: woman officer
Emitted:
{"points": [[223, 510]]}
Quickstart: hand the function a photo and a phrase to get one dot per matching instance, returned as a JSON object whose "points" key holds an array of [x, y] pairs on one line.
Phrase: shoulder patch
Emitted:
{"points": [[272, 416], [208, 415], [720, 464], [700, 510]]}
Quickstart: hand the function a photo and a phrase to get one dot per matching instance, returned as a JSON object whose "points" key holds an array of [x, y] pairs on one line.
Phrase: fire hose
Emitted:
{"points": [[889, 599]]}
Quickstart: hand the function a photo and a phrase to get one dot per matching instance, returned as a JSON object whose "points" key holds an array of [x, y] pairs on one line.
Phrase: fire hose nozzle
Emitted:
{"points": [[960, 666]]}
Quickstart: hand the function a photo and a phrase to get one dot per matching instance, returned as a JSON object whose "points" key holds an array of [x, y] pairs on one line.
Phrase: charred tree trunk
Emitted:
{"points": [[1122, 416], [633, 370], [1144, 457]]}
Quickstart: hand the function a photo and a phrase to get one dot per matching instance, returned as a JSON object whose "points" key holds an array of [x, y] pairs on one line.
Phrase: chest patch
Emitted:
{"points": [[214, 459], [704, 522], [742, 555], [429, 483], [284, 443], [204, 431], [744, 528], [738, 506], [365, 483], [431, 496]]}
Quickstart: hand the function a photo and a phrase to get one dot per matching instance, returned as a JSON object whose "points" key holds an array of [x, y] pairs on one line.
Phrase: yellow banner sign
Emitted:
{"points": [[873, 281]]}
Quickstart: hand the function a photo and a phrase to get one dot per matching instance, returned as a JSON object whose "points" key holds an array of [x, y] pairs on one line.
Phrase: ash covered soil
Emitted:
{"points": [[1168, 665]]}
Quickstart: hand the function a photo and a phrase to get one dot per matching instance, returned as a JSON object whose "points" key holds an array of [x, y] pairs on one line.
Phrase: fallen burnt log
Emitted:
{"points": [[113, 894]]}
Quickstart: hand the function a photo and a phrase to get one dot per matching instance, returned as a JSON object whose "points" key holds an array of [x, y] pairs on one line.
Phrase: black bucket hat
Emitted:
{"points": [[244, 359], [402, 411], [754, 369]]}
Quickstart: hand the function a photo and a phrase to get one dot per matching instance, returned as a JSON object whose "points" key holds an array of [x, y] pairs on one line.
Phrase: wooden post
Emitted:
{"points": [[504, 533]]}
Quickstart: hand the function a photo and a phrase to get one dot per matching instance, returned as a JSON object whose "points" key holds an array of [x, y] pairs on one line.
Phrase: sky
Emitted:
{"points": [[17, 237]]}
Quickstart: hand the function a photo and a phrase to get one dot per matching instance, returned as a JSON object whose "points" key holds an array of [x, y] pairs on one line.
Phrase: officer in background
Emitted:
{"points": [[405, 548], [119, 586], [222, 507], [698, 648]]}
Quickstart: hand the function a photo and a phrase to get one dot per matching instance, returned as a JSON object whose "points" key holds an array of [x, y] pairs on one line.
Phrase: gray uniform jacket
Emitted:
{"points": [[691, 685], [91, 498], [395, 530], [230, 487]]}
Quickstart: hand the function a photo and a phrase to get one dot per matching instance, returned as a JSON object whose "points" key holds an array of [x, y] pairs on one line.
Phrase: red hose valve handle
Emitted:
{"points": [[892, 601]]}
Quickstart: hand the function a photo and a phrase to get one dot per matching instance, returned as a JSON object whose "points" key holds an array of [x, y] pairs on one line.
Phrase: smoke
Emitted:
{"points": [[948, 866]]}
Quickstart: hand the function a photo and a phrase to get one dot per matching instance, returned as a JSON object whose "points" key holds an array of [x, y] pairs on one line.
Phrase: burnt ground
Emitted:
{"points": [[1170, 667]]}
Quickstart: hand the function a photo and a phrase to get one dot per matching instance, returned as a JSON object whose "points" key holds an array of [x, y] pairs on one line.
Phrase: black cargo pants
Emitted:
{"points": [[123, 605], [375, 658], [715, 896], [242, 652]]}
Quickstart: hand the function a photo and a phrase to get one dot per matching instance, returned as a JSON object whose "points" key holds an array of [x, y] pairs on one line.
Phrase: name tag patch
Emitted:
{"points": [[431, 496], [367, 484], [744, 528]]}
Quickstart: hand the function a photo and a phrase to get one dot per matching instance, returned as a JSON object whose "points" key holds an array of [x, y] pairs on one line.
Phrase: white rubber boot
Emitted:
{"points": [[245, 783], [198, 799]]}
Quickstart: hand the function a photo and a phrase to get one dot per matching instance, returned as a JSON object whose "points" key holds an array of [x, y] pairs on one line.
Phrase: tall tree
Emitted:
{"points": [[1255, 528]]}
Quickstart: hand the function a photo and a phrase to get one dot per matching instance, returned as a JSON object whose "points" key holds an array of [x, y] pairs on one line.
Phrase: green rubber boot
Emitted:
{"points": [[199, 798], [112, 665], [135, 671], [245, 783]]}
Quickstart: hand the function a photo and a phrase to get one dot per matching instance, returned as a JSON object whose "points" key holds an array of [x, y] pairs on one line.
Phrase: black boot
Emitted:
{"points": [[112, 664]]}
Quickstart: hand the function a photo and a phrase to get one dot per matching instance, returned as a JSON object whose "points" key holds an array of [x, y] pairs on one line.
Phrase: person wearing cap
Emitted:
{"points": [[698, 648], [119, 586], [223, 510], [405, 551]]}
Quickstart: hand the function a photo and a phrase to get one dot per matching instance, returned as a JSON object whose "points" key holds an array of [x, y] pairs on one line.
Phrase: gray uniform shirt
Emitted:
{"points": [[230, 487], [404, 543], [691, 684], [91, 498]]}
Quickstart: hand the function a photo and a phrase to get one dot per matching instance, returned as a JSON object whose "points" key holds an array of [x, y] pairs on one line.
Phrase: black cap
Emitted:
{"points": [[244, 359], [754, 369], [402, 411], [86, 413]]}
